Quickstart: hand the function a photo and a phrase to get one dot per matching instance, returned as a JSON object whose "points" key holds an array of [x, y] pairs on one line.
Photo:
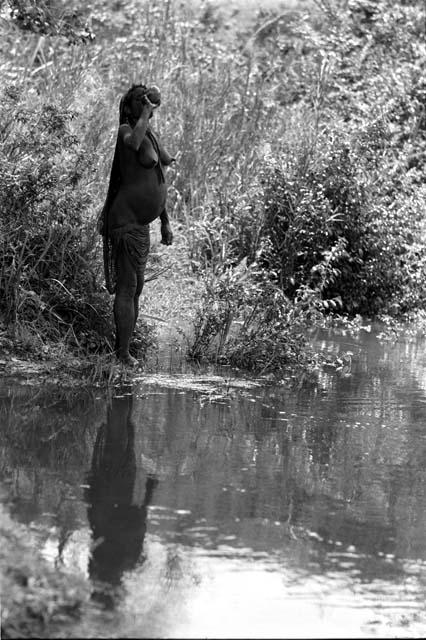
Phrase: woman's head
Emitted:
{"points": [[132, 102]]}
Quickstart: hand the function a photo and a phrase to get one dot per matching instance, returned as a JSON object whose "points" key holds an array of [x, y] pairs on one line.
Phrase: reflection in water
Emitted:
{"points": [[216, 510], [117, 509]]}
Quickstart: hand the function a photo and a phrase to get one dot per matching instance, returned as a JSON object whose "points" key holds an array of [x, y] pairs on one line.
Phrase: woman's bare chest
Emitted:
{"points": [[147, 154]]}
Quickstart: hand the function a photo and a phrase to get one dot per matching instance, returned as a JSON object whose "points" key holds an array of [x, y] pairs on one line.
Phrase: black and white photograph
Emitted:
{"points": [[213, 319]]}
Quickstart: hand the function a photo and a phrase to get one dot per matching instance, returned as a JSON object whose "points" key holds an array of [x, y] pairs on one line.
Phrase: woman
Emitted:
{"points": [[136, 196]]}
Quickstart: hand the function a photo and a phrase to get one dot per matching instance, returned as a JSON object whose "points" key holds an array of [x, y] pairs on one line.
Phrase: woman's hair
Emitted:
{"points": [[125, 112]]}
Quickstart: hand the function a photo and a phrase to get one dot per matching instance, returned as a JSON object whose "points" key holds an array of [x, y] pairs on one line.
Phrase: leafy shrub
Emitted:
{"points": [[342, 190], [50, 18], [335, 228], [245, 320], [47, 279]]}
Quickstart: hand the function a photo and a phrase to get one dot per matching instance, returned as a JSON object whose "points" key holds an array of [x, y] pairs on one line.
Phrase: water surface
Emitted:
{"points": [[202, 506]]}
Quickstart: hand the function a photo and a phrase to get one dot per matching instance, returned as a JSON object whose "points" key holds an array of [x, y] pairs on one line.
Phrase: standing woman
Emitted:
{"points": [[136, 196]]}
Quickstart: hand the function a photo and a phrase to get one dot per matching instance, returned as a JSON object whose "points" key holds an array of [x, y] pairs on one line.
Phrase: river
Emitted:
{"points": [[207, 505]]}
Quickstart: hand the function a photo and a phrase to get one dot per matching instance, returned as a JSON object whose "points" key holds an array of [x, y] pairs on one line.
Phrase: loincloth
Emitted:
{"points": [[130, 241]]}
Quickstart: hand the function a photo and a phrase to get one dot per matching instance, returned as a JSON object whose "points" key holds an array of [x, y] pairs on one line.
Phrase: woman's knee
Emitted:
{"points": [[125, 290], [127, 281]]}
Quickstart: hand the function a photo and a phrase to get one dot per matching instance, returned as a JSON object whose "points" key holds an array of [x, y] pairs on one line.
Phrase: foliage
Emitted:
{"points": [[343, 203], [338, 229], [46, 277], [246, 320], [50, 18], [334, 214]]}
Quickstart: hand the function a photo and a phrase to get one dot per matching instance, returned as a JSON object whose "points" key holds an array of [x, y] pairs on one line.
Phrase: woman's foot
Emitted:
{"points": [[128, 360]]}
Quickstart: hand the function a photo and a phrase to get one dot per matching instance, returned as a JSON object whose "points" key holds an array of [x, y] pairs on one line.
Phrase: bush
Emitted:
{"points": [[245, 320], [343, 201], [337, 229], [50, 18], [48, 274]]}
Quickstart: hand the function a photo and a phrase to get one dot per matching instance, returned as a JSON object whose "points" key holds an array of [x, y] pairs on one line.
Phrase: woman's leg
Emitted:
{"points": [[140, 272], [124, 307], [139, 287]]}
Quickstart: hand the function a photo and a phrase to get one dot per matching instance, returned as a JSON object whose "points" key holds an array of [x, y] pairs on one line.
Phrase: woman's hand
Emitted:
{"points": [[166, 233]]}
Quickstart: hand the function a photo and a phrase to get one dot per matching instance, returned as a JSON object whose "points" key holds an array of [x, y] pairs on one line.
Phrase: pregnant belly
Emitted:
{"points": [[140, 204]]}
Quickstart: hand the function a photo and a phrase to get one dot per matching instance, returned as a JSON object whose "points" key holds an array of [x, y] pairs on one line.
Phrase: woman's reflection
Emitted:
{"points": [[118, 497]]}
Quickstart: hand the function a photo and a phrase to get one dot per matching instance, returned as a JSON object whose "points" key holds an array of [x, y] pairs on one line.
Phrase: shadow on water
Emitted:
{"points": [[219, 507]]}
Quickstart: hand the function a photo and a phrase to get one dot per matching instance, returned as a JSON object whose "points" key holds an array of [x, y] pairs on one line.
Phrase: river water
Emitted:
{"points": [[205, 505]]}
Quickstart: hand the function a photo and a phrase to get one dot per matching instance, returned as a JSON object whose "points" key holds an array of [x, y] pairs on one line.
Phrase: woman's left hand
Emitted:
{"points": [[166, 234]]}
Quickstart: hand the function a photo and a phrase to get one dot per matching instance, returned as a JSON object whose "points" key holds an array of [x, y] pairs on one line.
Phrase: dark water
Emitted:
{"points": [[202, 507]]}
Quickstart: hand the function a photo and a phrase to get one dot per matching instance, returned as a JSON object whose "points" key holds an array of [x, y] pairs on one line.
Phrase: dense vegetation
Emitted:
{"points": [[298, 190]]}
